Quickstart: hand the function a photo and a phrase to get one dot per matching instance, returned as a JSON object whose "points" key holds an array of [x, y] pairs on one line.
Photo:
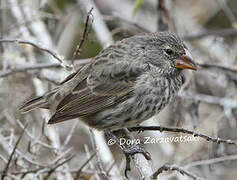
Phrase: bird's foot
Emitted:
{"points": [[129, 152]]}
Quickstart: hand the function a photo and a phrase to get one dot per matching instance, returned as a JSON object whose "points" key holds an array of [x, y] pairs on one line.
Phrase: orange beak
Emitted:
{"points": [[185, 62]]}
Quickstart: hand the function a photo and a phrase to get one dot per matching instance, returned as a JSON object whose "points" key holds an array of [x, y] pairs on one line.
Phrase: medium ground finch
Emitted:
{"points": [[124, 85]]}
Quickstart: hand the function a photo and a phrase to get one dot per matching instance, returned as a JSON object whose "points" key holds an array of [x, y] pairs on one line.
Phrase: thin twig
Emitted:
{"points": [[110, 167], [182, 130], [83, 165], [174, 168], [12, 176], [39, 171], [218, 66], [91, 165], [3, 158], [46, 169], [98, 160], [61, 156], [222, 101], [85, 33], [118, 20], [227, 11], [69, 136], [100, 28], [211, 161], [29, 159], [30, 67], [12, 154], [219, 32], [190, 37], [38, 75], [32, 138], [58, 165], [62, 62], [163, 19]]}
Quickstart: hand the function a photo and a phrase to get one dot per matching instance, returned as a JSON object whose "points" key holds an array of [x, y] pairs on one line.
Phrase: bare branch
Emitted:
{"points": [[13, 152], [211, 161], [29, 67], [99, 26], [228, 12], [218, 66], [69, 136], [62, 62], [32, 138], [163, 19], [83, 165], [42, 77], [222, 101], [174, 168], [182, 130], [118, 20], [190, 37], [58, 165], [98, 160], [85, 33], [219, 32]]}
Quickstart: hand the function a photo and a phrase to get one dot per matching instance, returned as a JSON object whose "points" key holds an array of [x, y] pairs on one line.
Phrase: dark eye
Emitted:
{"points": [[169, 51]]}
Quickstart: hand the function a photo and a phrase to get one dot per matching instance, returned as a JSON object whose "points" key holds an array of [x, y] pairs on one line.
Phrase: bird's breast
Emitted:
{"points": [[158, 92]]}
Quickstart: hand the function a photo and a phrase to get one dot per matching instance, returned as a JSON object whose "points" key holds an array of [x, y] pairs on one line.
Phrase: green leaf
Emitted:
{"points": [[137, 5]]}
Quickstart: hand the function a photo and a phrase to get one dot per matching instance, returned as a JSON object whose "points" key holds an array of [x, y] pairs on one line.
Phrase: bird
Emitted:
{"points": [[124, 85]]}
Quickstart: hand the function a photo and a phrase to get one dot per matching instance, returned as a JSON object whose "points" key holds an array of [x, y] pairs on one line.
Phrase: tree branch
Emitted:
{"points": [[85, 33], [174, 168], [182, 130], [53, 54], [12, 153], [30, 67]]}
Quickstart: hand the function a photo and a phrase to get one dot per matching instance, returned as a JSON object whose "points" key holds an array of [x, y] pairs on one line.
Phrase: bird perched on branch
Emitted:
{"points": [[124, 85]]}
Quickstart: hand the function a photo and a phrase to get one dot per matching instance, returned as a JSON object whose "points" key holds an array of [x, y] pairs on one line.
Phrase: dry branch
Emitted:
{"points": [[174, 168], [163, 18], [83, 165], [53, 54], [219, 32], [30, 67], [211, 161], [12, 153], [58, 165], [85, 33], [185, 131]]}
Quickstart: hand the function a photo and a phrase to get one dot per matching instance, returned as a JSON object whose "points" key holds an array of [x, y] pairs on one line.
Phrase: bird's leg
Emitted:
{"points": [[129, 150]]}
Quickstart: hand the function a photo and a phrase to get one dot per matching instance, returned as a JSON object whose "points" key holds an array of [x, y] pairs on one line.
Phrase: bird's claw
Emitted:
{"points": [[130, 151]]}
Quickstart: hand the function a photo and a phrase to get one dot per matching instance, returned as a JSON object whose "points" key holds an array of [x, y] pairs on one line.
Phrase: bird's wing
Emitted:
{"points": [[107, 84]]}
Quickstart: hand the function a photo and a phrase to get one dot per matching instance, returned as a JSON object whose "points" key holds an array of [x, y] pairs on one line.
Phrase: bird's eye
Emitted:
{"points": [[169, 51]]}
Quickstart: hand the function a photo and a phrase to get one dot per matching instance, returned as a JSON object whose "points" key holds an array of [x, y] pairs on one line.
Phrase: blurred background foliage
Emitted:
{"points": [[207, 103]]}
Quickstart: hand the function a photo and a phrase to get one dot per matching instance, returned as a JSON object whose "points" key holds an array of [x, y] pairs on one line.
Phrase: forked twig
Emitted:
{"points": [[85, 33], [12, 153]]}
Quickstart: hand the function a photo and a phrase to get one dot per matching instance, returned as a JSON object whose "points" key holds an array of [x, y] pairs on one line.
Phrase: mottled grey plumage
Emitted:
{"points": [[125, 84]]}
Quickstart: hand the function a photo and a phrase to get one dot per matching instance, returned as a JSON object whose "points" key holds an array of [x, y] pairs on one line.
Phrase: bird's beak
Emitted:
{"points": [[185, 62]]}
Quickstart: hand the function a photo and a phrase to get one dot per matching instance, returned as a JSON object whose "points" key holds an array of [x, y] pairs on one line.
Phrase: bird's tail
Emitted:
{"points": [[38, 102]]}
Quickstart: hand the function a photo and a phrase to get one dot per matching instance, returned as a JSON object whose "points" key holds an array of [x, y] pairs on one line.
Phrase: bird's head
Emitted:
{"points": [[166, 51]]}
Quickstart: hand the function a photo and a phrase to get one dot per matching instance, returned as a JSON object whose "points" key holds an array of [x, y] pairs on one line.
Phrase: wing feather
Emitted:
{"points": [[105, 84]]}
